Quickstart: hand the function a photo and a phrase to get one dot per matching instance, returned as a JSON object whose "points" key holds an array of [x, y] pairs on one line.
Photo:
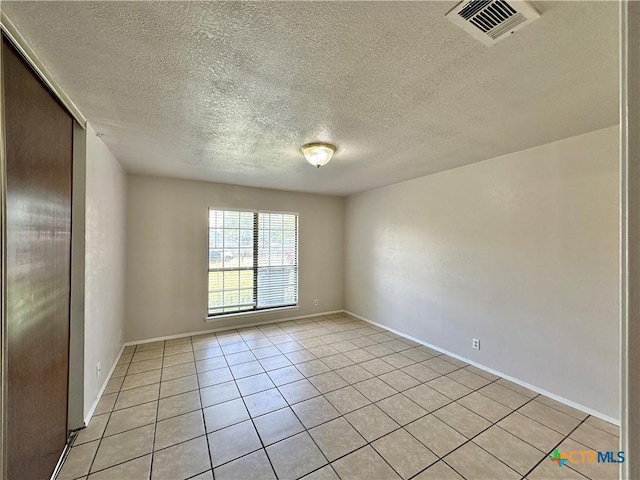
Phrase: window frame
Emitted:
{"points": [[255, 250]]}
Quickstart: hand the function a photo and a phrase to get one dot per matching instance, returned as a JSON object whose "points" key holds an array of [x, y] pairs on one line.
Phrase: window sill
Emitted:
{"points": [[249, 314]]}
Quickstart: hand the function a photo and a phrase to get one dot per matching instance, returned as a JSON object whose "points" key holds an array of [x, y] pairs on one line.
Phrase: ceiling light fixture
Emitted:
{"points": [[318, 154]]}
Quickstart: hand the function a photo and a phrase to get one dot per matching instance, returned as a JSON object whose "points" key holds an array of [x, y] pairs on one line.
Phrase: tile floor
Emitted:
{"points": [[323, 398]]}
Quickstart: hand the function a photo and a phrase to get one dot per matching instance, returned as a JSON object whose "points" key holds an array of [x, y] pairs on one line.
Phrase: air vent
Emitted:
{"points": [[492, 20]]}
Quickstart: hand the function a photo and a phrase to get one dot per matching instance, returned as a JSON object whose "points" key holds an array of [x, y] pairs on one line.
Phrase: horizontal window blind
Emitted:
{"points": [[253, 261]]}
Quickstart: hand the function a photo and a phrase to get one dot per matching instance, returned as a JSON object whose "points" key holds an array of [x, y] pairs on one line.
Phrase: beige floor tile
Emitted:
{"points": [[219, 394], [482, 373], [147, 355], [210, 363], [208, 475], [359, 356], [267, 352], [254, 384], [131, 418], [463, 420], [246, 369], [254, 466], [176, 341], [448, 387], [334, 362], [264, 402], [468, 379], [417, 354], [354, 374], [233, 442], [312, 368], [106, 403], [375, 389], [399, 380], [214, 377], [277, 425], [427, 397], [181, 461], [78, 461], [285, 375], [178, 371], [439, 471], [137, 396], [504, 395], [123, 447], [337, 438], [379, 350], [143, 347], [566, 409], [401, 409], [138, 469], [327, 382], [364, 464], [301, 356], [595, 438], [298, 391], [206, 349], [599, 471], [315, 411], [224, 414], [322, 351], [295, 456], [129, 350], [113, 385], [549, 417], [325, 473], [530, 431], [548, 470], [377, 366], [398, 360], [178, 429], [519, 455], [347, 399], [125, 359], [440, 365], [141, 379], [238, 358], [421, 373], [371, 422], [170, 350], [602, 425], [484, 406], [178, 359], [94, 430], [178, 404], [274, 363], [404, 453], [145, 366], [178, 386], [120, 371], [472, 461], [289, 347], [439, 437], [516, 388]]}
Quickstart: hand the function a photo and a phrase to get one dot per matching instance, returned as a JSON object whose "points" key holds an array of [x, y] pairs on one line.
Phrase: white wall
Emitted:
{"points": [[520, 251], [167, 257], [104, 263]]}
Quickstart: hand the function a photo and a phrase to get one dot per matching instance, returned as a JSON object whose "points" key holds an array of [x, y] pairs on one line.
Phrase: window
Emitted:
{"points": [[253, 261]]}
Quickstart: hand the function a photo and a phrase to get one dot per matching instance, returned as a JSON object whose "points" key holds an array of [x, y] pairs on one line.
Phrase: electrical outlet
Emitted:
{"points": [[315, 302], [476, 344], [98, 369]]}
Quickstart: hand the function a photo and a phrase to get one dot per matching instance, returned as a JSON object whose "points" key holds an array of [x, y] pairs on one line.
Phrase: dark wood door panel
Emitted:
{"points": [[39, 157]]}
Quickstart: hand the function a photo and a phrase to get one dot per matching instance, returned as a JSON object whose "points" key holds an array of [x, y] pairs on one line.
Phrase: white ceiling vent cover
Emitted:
{"points": [[492, 20]]}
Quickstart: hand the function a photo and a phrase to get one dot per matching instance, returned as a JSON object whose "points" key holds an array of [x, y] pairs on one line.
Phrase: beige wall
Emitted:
{"points": [[104, 264], [520, 251], [167, 252]]}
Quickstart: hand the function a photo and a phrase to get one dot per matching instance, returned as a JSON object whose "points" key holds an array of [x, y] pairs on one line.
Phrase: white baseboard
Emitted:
{"points": [[87, 418], [232, 327], [541, 391]]}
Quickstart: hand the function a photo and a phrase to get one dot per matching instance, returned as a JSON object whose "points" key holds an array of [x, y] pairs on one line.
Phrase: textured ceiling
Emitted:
{"points": [[228, 92]]}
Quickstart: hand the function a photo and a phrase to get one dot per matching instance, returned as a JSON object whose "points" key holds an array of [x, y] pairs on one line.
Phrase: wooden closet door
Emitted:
{"points": [[38, 243]]}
